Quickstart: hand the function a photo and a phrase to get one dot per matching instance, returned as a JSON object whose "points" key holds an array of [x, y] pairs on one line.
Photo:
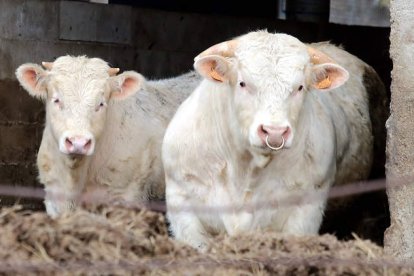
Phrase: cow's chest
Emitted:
{"points": [[252, 198], [237, 200]]}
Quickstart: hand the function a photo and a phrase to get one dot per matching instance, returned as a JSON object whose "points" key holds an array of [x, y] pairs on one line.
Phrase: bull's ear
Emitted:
{"points": [[32, 77], [328, 76], [213, 67], [125, 84]]}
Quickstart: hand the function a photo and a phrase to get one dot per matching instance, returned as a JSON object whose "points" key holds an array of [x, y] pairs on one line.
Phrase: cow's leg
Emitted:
{"points": [[185, 225], [59, 200], [62, 192], [237, 223], [63, 178], [306, 218], [188, 229]]}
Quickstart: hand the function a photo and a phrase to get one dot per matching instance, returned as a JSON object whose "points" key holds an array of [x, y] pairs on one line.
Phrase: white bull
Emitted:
{"points": [[260, 141], [99, 134]]}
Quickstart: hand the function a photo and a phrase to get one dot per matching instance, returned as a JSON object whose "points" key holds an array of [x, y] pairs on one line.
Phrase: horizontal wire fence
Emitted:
{"points": [[294, 198]]}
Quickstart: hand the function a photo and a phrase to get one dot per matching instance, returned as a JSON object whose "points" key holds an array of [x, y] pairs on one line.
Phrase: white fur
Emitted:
{"points": [[126, 128], [213, 158]]}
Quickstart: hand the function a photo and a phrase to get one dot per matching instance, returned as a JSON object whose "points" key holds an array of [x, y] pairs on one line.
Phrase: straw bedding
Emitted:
{"points": [[114, 240]]}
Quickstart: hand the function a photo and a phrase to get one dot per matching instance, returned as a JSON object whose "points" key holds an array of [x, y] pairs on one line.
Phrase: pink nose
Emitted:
{"points": [[78, 145], [274, 134]]}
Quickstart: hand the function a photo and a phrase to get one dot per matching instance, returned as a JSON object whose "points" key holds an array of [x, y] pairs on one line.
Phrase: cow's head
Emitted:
{"points": [[76, 91], [269, 76]]}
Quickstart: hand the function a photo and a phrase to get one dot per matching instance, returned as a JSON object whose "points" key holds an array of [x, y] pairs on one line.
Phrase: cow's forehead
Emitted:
{"points": [[79, 75], [272, 57], [80, 64]]}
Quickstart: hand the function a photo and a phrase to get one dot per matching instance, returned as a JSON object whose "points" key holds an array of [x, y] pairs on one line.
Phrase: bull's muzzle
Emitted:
{"points": [[273, 136]]}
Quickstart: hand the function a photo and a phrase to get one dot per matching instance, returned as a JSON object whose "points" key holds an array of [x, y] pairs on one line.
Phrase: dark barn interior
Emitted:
{"points": [[159, 39]]}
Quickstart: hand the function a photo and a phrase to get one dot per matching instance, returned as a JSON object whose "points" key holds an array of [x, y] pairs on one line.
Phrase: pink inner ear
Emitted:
{"points": [[129, 84], [30, 77], [338, 77]]}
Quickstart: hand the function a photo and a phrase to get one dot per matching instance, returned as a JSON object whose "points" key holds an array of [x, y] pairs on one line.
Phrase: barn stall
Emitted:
{"points": [[160, 39]]}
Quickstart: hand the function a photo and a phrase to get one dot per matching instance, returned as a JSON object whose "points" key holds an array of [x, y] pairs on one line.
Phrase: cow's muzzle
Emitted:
{"points": [[274, 136], [77, 144]]}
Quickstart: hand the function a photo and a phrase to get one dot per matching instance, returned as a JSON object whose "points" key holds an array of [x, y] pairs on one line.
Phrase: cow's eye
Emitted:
{"points": [[242, 84], [300, 88], [56, 100], [101, 105]]}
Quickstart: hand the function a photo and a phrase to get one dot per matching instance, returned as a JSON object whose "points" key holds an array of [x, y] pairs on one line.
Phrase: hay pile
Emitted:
{"points": [[121, 241]]}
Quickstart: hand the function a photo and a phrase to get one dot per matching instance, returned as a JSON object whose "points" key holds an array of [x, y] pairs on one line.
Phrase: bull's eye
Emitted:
{"points": [[242, 84], [57, 103], [300, 88], [101, 105]]}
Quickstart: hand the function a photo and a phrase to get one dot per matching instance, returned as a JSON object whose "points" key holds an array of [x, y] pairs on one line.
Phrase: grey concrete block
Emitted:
{"points": [[19, 174], [95, 23], [152, 64], [16, 52], [191, 32], [178, 32], [19, 143], [162, 64], [17, 106], [25, 19]]}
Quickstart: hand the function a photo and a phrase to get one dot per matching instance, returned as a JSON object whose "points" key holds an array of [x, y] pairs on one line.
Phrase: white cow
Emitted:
{"points": [[99, 134], [272, 118]]}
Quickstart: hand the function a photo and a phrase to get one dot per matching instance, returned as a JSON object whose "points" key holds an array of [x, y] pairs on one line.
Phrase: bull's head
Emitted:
{"points": [[269, 75], [77, 91]]}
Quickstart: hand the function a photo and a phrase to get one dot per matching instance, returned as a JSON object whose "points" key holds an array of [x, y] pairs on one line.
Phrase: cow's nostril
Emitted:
{"points": [[286, 133], [88, 144], [68, 142], [262, 131]]}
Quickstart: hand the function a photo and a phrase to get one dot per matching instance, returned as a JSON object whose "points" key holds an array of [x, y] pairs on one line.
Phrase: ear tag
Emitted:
{"points": [[325, 83], [216, 76]]}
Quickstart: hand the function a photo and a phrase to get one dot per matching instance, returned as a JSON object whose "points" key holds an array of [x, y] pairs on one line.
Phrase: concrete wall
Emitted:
{"points": [[399, 238], [155, 43]]}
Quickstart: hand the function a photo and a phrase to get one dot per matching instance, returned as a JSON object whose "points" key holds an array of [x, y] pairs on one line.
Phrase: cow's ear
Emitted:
{"points": [[328, 76], [32, 77], [125, 84], [213, 67]]}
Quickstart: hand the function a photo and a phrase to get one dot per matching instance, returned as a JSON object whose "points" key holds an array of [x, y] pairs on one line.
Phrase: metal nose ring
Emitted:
{"points": [[274, 148]]}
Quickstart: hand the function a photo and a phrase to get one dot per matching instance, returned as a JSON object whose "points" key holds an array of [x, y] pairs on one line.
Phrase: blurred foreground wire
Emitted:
{"points": [[294, 198]]}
